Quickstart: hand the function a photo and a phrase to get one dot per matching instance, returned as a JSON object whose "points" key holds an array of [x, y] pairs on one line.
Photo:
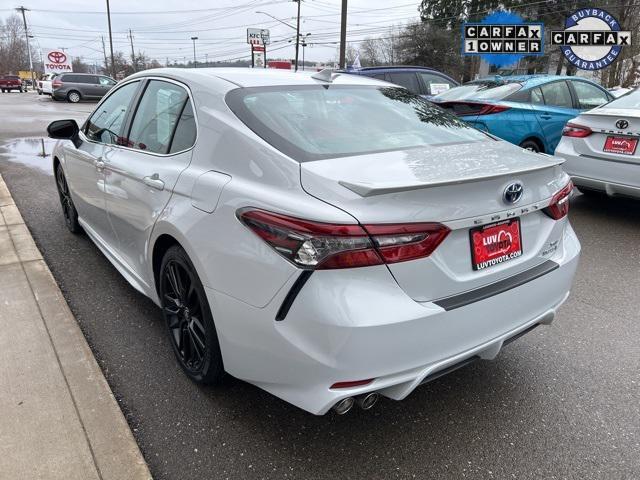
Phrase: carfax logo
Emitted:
{"points": [[592, 38], [502, 38]]}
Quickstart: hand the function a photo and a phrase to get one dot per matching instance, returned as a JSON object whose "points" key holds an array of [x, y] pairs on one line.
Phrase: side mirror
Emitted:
{"points": [[64, 130]]}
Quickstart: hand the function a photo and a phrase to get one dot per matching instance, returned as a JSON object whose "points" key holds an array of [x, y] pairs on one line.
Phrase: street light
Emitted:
{"points": [[195, 64], [303, 43], [296, 28]]}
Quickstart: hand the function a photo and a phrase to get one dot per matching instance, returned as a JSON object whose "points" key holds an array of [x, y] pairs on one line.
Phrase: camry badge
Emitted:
{"points": [[622, 124], [513, 193]]}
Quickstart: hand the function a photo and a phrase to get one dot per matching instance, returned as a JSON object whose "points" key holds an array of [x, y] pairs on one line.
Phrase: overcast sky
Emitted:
{"points": [[162, 28]]}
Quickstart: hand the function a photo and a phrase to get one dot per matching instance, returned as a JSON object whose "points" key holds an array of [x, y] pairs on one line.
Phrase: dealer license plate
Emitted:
{"points": [[495, 243], [621, 145]]}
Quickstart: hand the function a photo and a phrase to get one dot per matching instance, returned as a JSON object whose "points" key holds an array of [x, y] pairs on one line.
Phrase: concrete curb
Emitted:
{"points": [[62, 420]]}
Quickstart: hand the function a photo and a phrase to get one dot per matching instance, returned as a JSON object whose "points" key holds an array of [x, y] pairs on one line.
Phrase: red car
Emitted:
{"points": [[10, 82]]}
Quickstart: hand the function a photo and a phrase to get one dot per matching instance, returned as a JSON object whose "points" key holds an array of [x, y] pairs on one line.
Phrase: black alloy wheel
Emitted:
{"points": [[188, 318], [68, 209]]}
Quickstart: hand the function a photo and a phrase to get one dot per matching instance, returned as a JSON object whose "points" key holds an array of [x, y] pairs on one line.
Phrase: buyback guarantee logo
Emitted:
{"points": [[592, 38], [502, 38]]}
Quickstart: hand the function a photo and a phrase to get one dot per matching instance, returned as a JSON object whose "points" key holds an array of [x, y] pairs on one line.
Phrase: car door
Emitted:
{"points": [[141, 176], [555, 110], [589, 96], [84, 165]]}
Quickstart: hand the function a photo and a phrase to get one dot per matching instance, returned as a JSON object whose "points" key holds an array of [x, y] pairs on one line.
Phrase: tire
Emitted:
{"points": [[531, 145], [188, 318], [73, 96], [68, 208]]}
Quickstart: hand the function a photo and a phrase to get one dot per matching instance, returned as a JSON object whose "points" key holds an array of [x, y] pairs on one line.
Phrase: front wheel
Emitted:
{"points": [[68, 208], [73, 96], [188, 318]]}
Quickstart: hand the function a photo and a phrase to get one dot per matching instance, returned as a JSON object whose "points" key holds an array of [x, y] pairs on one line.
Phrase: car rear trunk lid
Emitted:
{"points": [[460, 186]]}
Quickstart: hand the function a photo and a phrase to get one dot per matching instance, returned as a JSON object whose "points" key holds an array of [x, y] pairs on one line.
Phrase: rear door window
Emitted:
{"points": [[435, 84], [105, 125], [157, 116], [589, 96], [405, 79], [557, 94]]}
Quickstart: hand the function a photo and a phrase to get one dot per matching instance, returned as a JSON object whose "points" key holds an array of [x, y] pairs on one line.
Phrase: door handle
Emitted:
{"points": [[99, 164], [546, 117], [154, 181]]}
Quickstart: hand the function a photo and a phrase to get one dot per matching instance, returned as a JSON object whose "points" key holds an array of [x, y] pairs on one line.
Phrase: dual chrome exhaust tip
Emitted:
{"points": [[365, 402]]}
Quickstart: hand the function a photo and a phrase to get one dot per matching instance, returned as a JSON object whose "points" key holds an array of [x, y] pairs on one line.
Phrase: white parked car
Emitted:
{"points": [[45, 84], [328, 238], [601, 148]]}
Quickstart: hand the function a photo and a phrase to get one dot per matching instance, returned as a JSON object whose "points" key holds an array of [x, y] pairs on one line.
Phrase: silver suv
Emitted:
{"points": [[74, 87]]}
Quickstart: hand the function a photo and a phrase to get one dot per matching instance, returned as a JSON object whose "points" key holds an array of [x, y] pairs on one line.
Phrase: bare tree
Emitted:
{"points": [[13, 47]]}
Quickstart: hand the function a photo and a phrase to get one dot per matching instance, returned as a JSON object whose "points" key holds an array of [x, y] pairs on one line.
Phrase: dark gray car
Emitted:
{"points": [[74, 87]]}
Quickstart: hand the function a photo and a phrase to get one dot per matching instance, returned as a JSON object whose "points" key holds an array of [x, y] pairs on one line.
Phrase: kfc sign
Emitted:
{"points": [[57, 62]]}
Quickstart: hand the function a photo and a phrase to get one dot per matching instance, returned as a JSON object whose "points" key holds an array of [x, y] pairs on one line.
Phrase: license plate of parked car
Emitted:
{"points": [[495, 243], [623, 145]]}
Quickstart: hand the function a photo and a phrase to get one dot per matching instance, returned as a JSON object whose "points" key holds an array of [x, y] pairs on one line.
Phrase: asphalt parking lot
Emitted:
{"points": [[562, 402]]}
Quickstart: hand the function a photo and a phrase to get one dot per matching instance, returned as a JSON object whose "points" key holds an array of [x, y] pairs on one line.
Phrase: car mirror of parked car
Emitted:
{"points": [[65, 130]]}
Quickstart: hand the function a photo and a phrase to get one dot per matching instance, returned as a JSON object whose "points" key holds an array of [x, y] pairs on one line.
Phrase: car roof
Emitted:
{"points": [[254, 77], [398, 67], [531, 80]]}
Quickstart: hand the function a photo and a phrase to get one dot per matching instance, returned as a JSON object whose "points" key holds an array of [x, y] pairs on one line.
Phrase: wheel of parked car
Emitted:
{"points": [[73, 96], [68, 208], [188, 317], [530, 145]]}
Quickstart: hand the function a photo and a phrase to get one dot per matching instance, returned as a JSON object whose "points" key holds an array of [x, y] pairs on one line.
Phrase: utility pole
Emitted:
{"points": [[298, 33], [343, 35], [113, 63], [104, 52], [26, 34], [133, 53], [195, 63]]}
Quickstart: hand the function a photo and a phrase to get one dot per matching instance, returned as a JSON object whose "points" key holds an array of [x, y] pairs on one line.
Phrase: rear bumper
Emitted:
{"points": [[602, 174], [354, 325]]}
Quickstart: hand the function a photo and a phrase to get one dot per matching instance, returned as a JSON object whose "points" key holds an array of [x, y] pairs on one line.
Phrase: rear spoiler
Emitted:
{"points": [[365, 189]]}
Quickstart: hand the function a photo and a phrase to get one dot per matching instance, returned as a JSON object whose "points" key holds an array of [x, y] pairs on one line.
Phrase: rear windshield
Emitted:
{"points": [[482, 90], [11, 77], [628, 100], [313, 122]]}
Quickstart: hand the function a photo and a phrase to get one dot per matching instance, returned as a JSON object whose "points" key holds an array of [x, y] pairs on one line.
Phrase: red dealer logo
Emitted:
{"points": [[57, 57]]}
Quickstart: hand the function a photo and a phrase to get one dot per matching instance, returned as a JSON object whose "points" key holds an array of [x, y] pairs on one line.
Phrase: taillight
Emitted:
{"points": [[559, 206], [473, 108], [56, 84], [488, 109], [575, 130], [317, 245]]}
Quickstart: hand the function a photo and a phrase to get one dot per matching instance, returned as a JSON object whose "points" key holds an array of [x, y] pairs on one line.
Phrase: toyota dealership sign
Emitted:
{"points": [[56, 61]]}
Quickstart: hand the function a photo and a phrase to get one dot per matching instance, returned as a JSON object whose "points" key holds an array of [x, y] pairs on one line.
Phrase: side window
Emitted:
{"points": [[589, 96], [557, 94], [407, 80], [536, 96], [185, 135], [435, 84], [105, 124], [378, 76], [157, 116], [106, 81]]}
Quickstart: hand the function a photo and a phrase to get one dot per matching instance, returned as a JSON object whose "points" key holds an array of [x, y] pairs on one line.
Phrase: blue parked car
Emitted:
{"points": [[528, 110], [422, 81]]}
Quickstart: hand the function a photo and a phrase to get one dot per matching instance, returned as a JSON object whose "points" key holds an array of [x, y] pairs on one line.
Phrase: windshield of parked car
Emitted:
{"points": [[490, 90], [628, 100], [317, 121]]}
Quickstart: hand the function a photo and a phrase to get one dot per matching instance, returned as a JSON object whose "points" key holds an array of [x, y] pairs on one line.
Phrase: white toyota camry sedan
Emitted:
{"points": [[601, 148], [329, 238]]}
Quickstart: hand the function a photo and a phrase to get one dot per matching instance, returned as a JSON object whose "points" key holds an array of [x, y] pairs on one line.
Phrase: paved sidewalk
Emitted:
{"points": [[58, 417]]}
